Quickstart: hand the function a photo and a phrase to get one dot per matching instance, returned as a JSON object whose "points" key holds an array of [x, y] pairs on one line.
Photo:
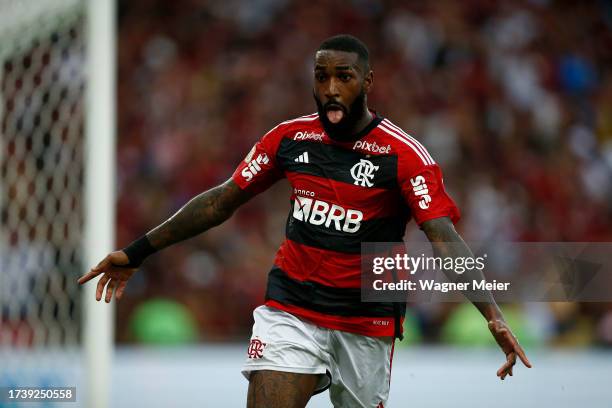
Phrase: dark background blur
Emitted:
{"points": [[512, 98]]}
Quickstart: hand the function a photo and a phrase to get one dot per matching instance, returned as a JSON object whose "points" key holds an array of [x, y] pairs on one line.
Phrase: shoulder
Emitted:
{"points": [[296, 124], [404, 145], [292, 128]]}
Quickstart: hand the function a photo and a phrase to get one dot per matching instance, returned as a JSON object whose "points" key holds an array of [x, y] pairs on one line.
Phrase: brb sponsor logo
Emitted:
{"points": [[317, 137], [419, 187], [254, 166], [371, 147], [317, 212]]}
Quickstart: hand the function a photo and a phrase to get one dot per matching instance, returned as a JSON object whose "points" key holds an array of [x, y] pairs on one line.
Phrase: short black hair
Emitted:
{"points": [[348, 43]]}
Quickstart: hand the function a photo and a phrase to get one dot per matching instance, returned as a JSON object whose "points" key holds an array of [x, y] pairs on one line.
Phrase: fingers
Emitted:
{"points": [[108, 268], [114, 285], [100, 288], [120, 289], [521, 353], [510, 345], [502, 375], [507, 367], [95, 271], [88, 276], [109, 290]]}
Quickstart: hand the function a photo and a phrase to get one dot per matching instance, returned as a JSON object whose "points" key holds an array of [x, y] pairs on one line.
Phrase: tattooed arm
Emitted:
{"points": [[201, 213], [446, 242]]}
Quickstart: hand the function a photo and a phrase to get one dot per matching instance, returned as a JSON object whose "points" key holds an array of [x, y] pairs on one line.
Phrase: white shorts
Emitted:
{"points": [[357, 367]]}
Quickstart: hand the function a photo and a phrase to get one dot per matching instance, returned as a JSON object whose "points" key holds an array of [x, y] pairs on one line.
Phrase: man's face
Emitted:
{"points": [[341, 83]]}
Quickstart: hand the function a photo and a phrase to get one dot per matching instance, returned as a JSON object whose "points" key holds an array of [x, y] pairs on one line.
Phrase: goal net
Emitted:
{"points": [[43, 85]]}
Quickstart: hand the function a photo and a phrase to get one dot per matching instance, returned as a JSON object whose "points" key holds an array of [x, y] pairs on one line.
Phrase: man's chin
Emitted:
{"points": [[340, 131], [337, 131]]}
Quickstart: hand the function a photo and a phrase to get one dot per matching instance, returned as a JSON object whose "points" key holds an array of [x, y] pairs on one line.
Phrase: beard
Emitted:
{"points": [[344, 130]]}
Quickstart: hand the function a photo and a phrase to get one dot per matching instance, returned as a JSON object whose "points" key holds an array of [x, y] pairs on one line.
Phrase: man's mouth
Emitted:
{"points": [[335, 112]]}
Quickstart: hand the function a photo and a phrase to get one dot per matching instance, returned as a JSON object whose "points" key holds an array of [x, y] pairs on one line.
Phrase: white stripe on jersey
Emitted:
{"points": [[305, 118], [416, 142], [403, 139]]}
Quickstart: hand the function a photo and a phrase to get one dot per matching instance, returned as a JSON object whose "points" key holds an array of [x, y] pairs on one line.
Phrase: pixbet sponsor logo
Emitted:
{"points": [[318, 137], [419, 187], [254, 166], [318, 212], [372, 147]]}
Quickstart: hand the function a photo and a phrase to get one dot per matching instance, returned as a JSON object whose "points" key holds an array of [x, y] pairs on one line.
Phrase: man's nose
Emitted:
{"points": [[332, 90]]}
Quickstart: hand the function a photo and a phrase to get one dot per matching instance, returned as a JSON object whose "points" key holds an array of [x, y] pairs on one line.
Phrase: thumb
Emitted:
{"points": [[103, 264], [119, 258]]}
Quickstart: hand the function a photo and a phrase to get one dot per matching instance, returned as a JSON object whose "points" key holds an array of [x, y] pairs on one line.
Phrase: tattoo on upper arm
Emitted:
{"points": [[445, 240], [202, 212], [441, 230]]}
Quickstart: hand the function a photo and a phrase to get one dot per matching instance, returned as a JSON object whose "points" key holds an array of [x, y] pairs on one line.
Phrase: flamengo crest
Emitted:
{"points": [[256, 348], [363, 173]]}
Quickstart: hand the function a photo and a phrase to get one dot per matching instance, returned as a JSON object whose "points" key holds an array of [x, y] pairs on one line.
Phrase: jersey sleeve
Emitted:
{"points": [[422, 188], [259, 169]]}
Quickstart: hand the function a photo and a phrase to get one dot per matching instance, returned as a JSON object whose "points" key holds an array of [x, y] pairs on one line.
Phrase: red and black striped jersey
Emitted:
{"points": [[343, 194]]}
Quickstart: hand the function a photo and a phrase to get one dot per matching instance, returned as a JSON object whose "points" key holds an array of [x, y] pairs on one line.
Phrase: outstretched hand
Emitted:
{"points": [[114, 274], [509, 345]]}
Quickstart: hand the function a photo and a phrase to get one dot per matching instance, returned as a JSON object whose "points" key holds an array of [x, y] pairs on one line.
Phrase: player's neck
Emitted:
{"points": [[366, 119]]}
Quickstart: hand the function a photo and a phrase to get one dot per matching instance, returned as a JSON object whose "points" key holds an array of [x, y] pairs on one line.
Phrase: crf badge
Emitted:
{"points": [[256, 348], [363, 173]]}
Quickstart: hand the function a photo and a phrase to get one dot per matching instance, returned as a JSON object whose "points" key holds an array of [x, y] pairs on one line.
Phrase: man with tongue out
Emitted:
{"points": [[313, 332], [342, 80]]}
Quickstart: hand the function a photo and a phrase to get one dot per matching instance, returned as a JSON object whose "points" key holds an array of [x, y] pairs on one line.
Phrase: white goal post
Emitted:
{"points": [[57, 193], [99, 191]]}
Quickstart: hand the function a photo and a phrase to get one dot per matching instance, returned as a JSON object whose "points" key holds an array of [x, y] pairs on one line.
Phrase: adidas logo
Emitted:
{"points": [[302, 158]]}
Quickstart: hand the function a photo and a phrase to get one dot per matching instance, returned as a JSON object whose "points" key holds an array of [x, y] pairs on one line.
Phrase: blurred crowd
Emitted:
{"points": [[512, 98]]}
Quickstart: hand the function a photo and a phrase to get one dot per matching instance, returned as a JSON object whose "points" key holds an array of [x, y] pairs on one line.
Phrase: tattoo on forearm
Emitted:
{"points": [[202, 212], [446, 242]]}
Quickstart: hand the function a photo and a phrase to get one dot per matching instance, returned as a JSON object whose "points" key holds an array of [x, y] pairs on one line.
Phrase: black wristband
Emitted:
{"points": [[138, 250]]}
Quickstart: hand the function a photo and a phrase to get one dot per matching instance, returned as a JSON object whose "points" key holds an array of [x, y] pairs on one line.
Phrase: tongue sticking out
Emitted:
{"points": [[335, 116]]}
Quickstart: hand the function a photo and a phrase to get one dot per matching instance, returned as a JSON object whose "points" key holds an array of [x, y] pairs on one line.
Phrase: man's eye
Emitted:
{"points": [[320, 77], [344, 77]]}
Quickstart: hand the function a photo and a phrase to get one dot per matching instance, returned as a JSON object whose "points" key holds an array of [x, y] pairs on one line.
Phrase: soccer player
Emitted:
{"points": [[355, 177]]}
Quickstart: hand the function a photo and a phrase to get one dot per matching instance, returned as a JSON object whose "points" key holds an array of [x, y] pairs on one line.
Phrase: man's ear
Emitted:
{"points": [[368, 81]]}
